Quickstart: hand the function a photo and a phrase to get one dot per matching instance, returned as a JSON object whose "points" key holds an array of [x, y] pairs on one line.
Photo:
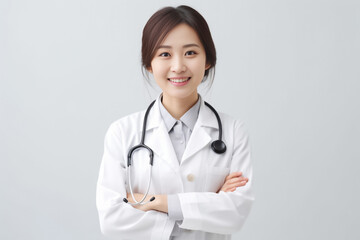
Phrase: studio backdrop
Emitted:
{"points": [[288, 69]]}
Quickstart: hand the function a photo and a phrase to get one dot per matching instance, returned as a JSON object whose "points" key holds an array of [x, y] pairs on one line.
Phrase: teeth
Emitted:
{"points": [[179, 80]]}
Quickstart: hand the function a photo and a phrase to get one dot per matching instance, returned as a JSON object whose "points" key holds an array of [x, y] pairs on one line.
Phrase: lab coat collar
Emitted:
{"points": [[206, 117], [188, 119], [154, 118], [159, 140], [200, 137]]}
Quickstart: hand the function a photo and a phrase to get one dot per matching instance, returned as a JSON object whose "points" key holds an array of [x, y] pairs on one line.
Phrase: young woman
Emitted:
{"points": [[190, 177]]}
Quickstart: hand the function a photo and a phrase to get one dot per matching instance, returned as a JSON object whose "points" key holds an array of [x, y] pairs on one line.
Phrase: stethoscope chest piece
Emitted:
{"points": [[218, 146]]}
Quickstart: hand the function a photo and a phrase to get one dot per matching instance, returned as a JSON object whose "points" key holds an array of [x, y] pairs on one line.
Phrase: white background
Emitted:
{"points": [[289, 69]]}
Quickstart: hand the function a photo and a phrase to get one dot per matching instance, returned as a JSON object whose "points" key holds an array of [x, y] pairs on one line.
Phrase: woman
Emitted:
{"points": [[194, 196]]}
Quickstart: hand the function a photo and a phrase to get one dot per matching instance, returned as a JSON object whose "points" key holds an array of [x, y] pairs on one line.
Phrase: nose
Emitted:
{"points": [[178, 65]]}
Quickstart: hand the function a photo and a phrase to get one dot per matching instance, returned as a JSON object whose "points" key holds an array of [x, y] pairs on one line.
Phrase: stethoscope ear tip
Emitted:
{"points": [[125, 200]]}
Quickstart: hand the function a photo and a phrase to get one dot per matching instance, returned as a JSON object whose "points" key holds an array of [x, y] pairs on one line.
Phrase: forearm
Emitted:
{"points": [[202, 210], [161, 202], [233, 208], [120, 220]]}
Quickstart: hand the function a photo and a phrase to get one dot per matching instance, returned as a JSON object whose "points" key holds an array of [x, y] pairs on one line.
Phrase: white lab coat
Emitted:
{"points": [[207, 214]]}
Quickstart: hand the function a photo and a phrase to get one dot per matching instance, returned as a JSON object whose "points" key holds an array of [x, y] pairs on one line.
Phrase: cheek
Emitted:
{"points": [[159, 73], [158, 69], [199, 67]]}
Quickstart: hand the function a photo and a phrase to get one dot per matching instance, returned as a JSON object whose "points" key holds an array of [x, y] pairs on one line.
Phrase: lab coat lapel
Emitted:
{"points": [[157, 137], [200, 136]]}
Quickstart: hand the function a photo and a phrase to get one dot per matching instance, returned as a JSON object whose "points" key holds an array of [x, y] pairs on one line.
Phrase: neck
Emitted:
{"points": [[177, 107]]}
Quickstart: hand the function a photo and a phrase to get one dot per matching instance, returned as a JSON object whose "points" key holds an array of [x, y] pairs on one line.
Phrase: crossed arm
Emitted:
{"points": [[232, 181]]}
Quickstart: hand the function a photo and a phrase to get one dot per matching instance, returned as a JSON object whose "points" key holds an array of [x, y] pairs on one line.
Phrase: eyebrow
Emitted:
{"points": [[185, 46]]}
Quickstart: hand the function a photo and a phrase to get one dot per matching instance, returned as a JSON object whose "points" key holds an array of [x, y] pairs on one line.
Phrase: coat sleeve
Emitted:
{"points": [[223, 212], [118, 219]]}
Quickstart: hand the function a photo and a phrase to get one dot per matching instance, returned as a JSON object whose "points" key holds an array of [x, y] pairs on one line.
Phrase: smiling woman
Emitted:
{"points": [[165, 20], [198, 188], [178, 67]]}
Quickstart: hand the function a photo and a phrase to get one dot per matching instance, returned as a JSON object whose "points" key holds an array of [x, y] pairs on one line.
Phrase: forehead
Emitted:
{"points": [[181, 34]]}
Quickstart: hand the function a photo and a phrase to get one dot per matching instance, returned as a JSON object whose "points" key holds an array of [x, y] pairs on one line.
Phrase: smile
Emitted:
{"points": [[179, 80]]}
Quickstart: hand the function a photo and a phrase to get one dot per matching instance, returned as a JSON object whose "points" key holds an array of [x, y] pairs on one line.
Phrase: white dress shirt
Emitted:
{"points": [[179, 133]]}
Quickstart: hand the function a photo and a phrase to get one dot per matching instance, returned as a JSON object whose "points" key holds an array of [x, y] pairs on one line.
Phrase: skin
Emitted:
{"points": [[181, 55]]}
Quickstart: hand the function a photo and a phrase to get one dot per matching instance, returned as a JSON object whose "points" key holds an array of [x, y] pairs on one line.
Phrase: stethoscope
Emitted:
{"points": [[217, 146]]}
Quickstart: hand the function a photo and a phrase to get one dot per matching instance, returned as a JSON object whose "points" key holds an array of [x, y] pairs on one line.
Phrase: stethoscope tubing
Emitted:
{"points": [[217, 146], [142, 201]]}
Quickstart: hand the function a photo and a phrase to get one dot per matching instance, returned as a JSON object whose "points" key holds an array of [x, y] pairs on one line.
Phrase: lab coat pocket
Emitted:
{"points": [[215, 178]]}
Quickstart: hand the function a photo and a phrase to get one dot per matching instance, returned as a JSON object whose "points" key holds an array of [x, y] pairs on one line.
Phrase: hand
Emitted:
{"points": [[159, 204], [138, 197], [232, 181]]}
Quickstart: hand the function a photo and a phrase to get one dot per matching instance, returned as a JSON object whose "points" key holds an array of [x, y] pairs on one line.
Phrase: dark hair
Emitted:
{"points": [[163, 21]]}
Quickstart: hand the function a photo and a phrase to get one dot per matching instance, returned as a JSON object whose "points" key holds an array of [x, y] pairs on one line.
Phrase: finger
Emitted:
{"points": [[228, 186], [237, 179], [242, 183], [234, 174], [238, 184], [228, 189]]}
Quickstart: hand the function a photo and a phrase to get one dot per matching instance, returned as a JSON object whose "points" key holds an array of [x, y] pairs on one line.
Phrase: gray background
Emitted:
{"points": [[289, 69]]}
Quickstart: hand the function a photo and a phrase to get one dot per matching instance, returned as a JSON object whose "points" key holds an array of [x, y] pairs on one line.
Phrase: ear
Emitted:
{"points": [[207, 66]]}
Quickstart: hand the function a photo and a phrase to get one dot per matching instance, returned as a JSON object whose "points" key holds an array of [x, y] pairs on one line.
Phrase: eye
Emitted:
{"points": [[164, 54], [189, 53]]}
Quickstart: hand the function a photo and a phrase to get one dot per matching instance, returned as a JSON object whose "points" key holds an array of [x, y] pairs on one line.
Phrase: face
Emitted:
{"points": [[179, 63]]}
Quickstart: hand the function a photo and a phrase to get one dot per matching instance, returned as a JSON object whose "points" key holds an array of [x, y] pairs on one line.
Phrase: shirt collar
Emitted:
{"points": [[189, 118]]}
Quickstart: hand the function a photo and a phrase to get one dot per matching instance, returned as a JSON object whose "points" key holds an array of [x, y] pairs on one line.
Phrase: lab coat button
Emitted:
{"points": [[190, 177]]}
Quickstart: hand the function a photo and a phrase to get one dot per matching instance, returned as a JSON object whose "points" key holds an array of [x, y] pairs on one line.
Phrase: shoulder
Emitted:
{"points": [[230, 121], [234, 130], [128, 123]]}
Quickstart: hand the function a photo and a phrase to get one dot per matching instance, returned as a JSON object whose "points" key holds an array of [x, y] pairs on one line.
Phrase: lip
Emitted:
{"points": [[178, 77], [179, 83]]}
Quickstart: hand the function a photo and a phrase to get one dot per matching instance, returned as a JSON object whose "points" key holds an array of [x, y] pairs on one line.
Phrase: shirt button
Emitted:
{"points": [[181, 142], [190, 177]]}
